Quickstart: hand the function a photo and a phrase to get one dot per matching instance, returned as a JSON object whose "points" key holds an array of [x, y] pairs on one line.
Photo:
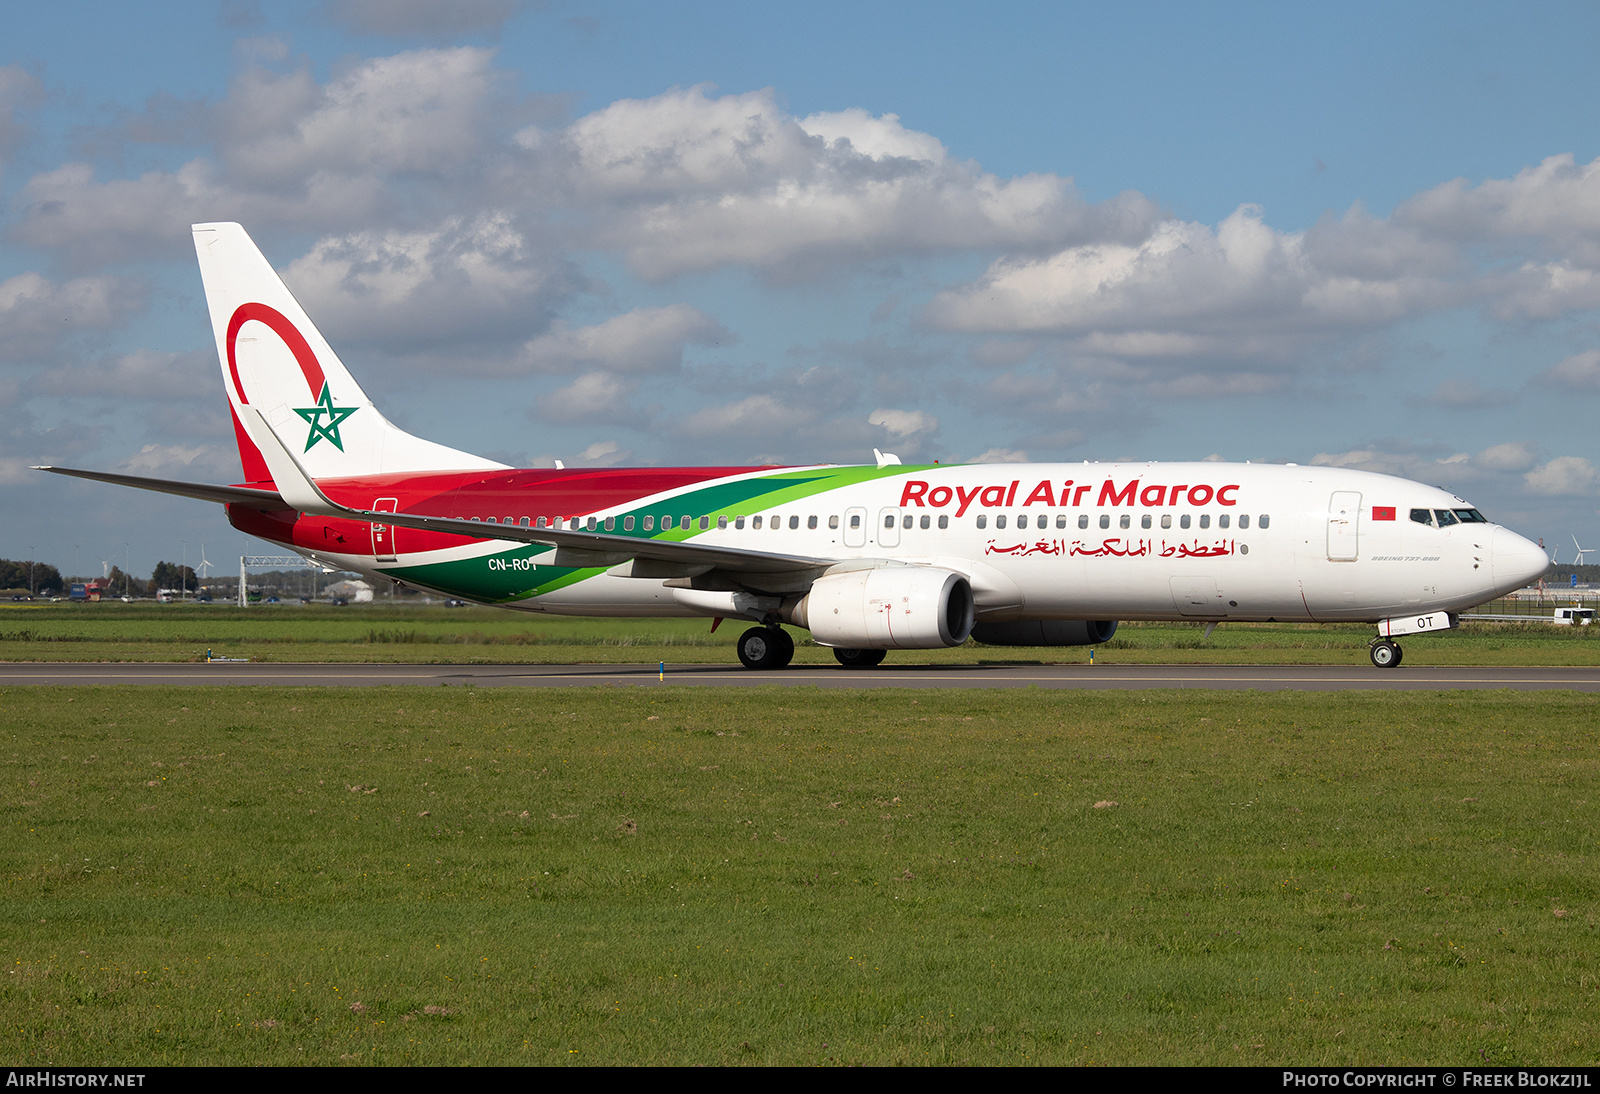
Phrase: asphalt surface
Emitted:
{"points": [[1133, 677]]}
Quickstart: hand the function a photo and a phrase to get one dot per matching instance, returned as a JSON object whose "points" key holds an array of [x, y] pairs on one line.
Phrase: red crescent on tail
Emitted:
{"points": [[284, 329]]}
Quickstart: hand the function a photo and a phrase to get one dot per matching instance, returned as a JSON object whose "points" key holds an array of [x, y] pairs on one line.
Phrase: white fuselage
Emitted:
{"points": [[1149, 541]]}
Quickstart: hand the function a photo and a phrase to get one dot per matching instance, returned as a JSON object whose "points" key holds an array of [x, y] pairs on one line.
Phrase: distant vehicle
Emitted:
{"points": [[84, 591], [1570, 617]]}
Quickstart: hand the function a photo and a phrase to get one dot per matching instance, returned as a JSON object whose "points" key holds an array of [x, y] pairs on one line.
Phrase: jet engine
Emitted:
{"points": [[890, 607], [1046, 632]]}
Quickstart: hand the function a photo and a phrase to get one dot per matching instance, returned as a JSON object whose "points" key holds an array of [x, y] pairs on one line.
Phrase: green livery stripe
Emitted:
{"points": [[510, 574]]}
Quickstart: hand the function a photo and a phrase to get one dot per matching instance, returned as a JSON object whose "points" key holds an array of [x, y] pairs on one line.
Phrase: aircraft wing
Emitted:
{"points": [[573, 548], [228, 495]]}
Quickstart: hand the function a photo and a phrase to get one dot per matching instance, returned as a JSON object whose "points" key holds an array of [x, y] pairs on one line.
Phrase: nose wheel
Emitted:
{"points": [[765, 648], [1385, 654]]}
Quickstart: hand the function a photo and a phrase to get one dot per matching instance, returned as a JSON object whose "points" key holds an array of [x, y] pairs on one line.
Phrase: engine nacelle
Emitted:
{"points": [[1046, 632], [888, 608]]}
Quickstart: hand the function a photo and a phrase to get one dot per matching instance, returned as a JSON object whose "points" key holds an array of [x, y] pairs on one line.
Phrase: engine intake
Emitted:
{"points": [[888, 608]]}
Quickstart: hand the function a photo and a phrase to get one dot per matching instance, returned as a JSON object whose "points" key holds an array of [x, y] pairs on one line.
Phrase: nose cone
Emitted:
{"points": [[1515, 562]]}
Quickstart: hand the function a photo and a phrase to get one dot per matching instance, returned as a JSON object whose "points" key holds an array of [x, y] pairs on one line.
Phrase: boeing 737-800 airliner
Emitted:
{"points": [[868, 558]]}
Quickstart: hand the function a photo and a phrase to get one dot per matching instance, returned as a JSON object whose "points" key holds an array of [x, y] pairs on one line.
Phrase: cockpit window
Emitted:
{"points": [[1470, 516], [1446, 517], [1422, 516]]}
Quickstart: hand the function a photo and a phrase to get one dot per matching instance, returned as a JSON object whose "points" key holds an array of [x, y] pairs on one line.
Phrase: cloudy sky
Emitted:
{"points": [[655, 233]]}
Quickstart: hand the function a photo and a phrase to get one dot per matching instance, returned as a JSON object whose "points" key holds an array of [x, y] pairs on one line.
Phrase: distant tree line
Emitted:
{"points": [[37, 577], [1562, 574], [170, 575]]}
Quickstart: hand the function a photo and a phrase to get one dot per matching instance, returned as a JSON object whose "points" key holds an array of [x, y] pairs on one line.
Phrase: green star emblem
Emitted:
{"points": [[329, 430]]}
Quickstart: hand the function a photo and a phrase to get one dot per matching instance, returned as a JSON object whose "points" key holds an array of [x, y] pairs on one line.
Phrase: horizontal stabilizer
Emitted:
{"points": [[248, 496]]}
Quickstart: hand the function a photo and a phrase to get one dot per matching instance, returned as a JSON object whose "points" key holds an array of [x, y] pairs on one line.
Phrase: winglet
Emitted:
{"points": [[294, 485]]}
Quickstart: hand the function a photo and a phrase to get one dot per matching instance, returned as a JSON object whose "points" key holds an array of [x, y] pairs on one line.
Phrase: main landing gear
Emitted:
{"points": [[859, 659], [1385, 653], [765, 648]]}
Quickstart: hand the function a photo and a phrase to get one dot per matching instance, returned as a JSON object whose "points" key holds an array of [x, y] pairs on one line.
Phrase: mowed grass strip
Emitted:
{"points": [[771, 876], [422, 634]]}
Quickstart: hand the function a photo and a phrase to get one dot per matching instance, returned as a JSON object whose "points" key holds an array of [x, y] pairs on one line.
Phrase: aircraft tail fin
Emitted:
{"points": [[282, 376]]}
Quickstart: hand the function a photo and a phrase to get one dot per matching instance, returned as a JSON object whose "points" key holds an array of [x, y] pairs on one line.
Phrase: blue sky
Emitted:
{"points": [[1367, 235]]}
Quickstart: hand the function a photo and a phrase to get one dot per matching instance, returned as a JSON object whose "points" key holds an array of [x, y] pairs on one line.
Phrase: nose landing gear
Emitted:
{"points": [[1385, 654], [765, 648]]}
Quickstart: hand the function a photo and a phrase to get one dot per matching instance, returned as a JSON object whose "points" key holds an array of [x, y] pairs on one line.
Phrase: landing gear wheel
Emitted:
{"points": [[785, 647], [859, 659], [1386, 655], [765, 648]]}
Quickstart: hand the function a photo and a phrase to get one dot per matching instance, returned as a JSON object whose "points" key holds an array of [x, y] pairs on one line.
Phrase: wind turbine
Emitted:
{"points": [[205, 565], [1581, 551]]}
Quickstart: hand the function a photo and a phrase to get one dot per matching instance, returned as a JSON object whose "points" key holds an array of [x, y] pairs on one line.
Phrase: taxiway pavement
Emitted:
{"points": [[1071, 677]]}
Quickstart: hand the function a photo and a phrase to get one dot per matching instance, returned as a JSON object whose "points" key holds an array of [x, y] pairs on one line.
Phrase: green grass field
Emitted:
{"points": [[659, 875], [422, 634]]}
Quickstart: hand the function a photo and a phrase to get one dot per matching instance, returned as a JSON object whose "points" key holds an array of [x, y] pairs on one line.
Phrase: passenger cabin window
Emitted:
{"points": [[738, 522], [1166, 520], [649, 523], [811, 522], [926, 520], [1022, 521], [1061, 520], [705, 522], [833, 520], [1222, 521], [1083, 520], [983, 521], [722, 523], [611, 524], [1144, 521], [1000, 520], [755, 522], [855, 520], [1183, 521], [1126, 521], [944, 520], [1244, 520], [541, 523], [777, 522], [1263, 522], [794, 523], [888, 521], [1105, 520], [1205, 520]]}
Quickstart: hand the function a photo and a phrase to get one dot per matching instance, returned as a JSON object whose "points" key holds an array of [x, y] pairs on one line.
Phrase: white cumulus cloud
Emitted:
{"points": [[640, 341]]}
